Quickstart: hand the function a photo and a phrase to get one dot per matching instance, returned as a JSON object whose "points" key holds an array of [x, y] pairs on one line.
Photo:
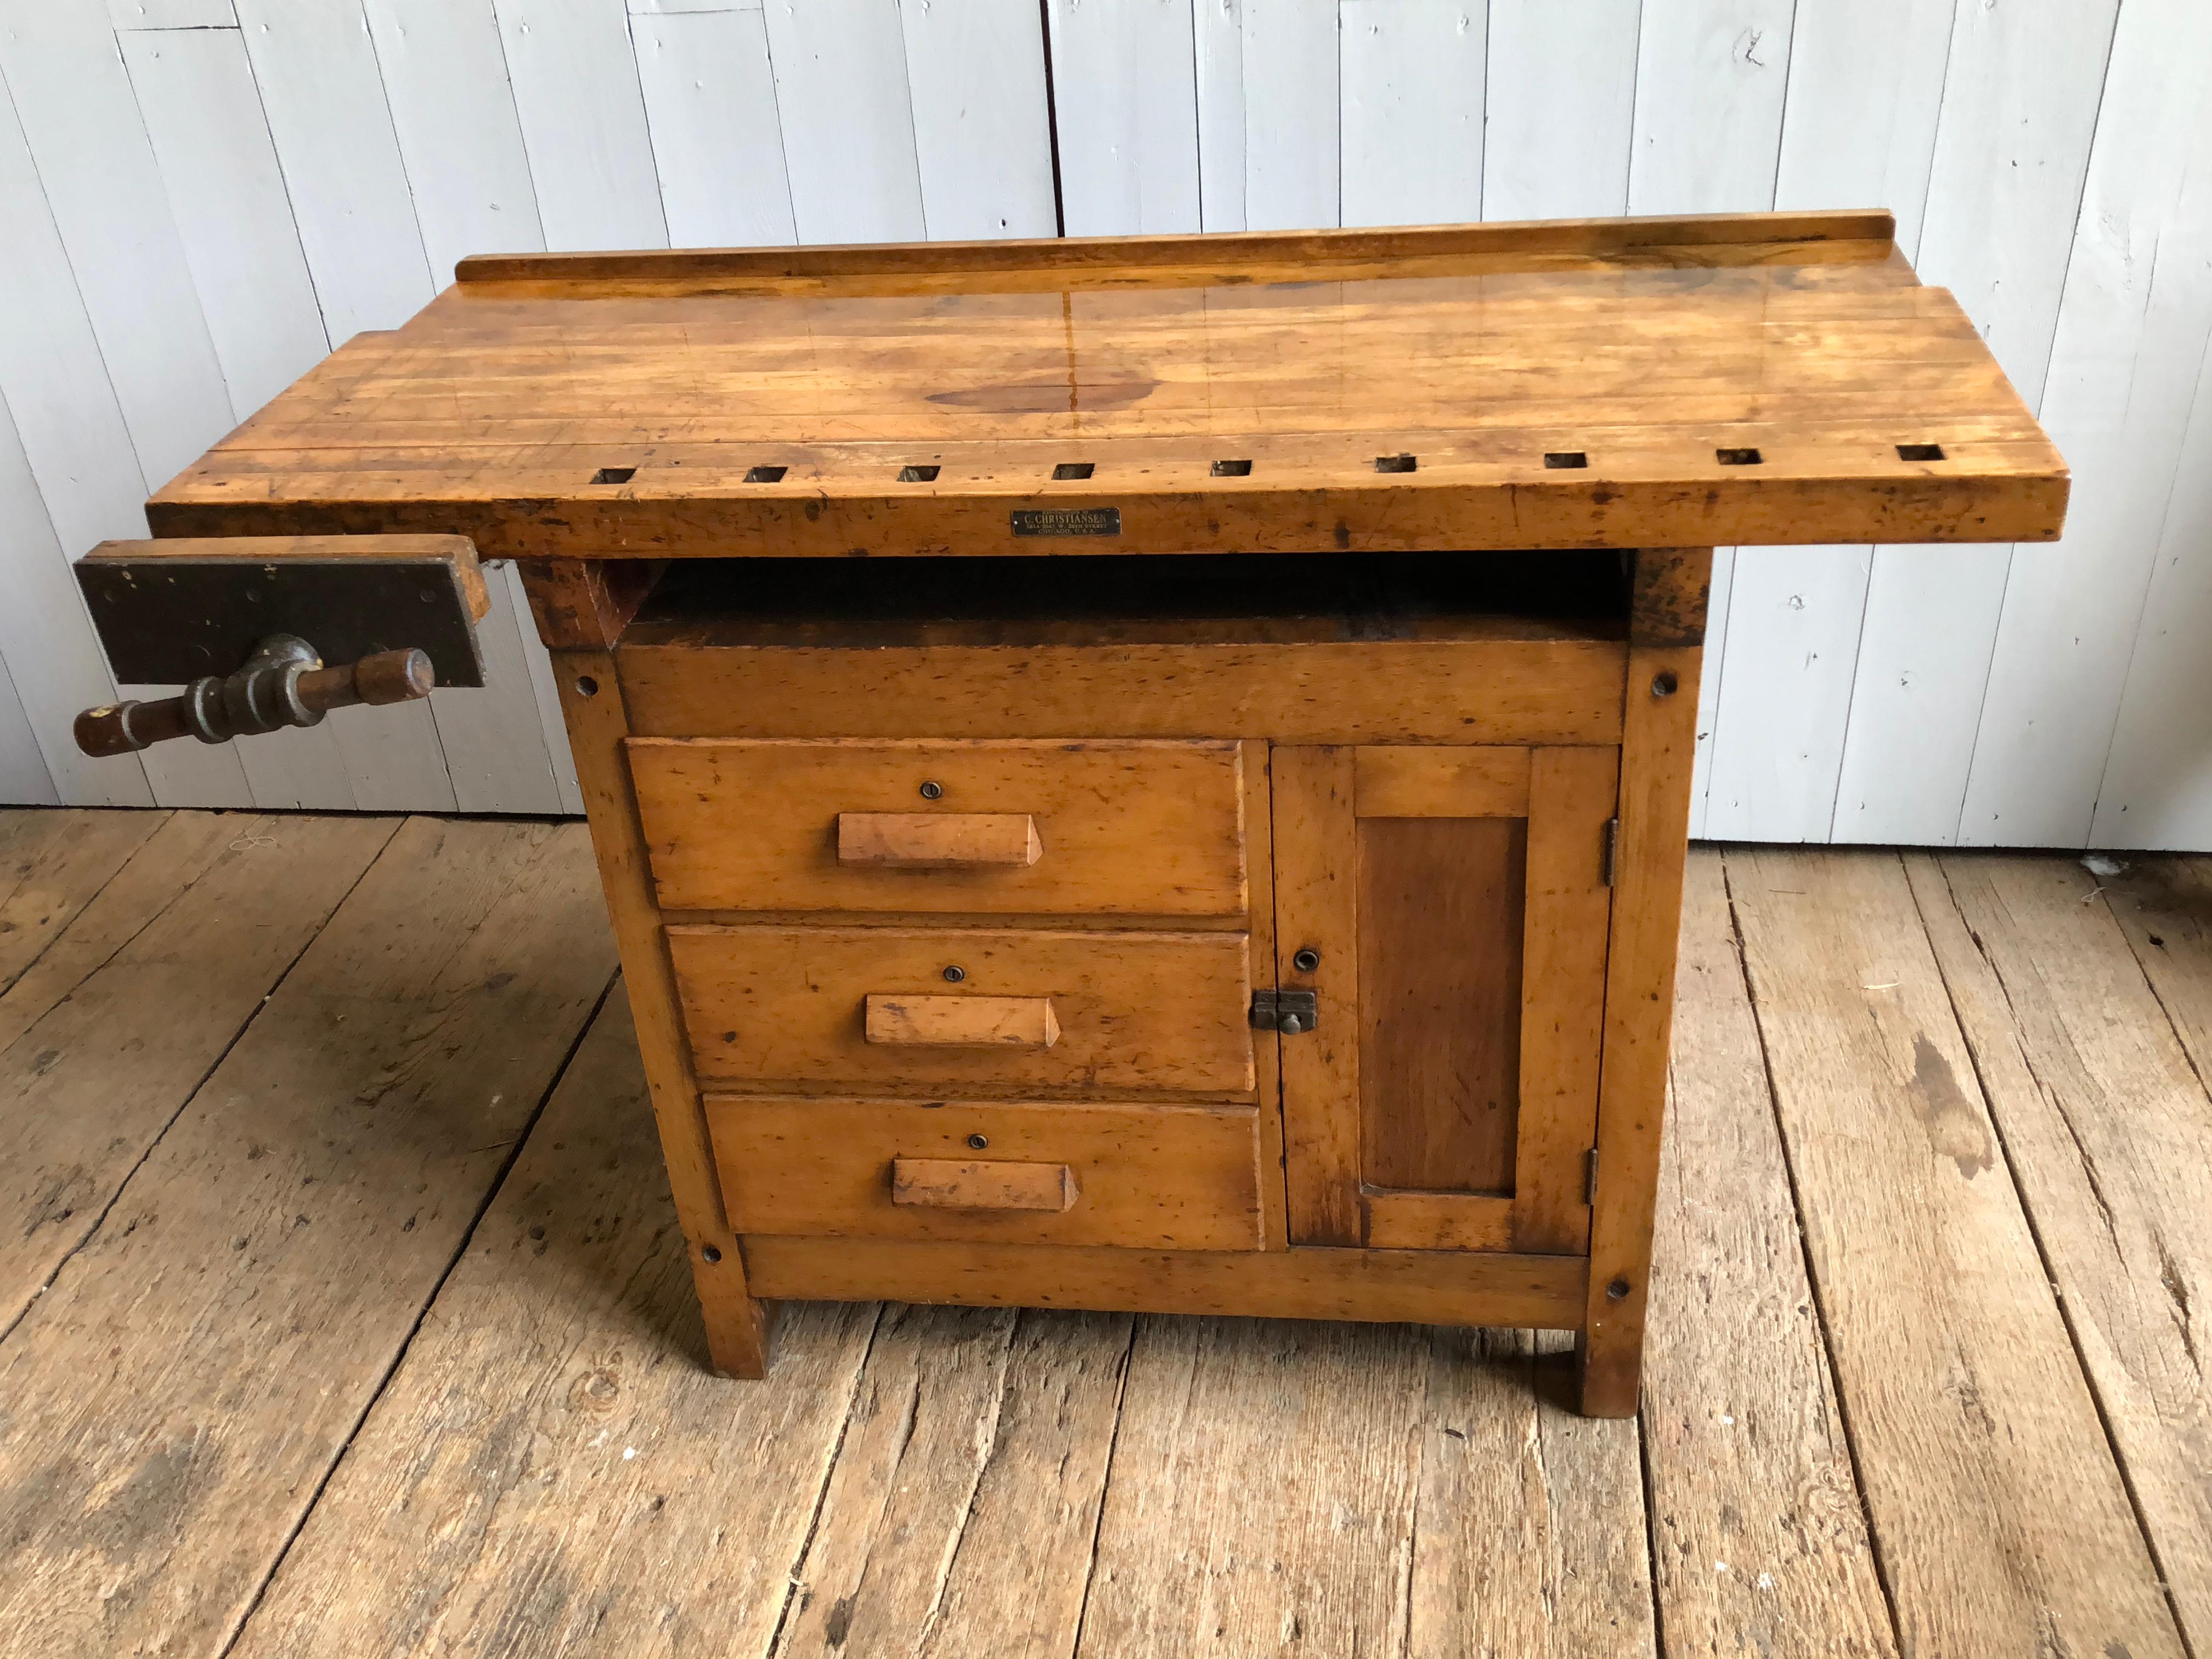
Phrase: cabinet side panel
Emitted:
{"points": [[592, 703]]}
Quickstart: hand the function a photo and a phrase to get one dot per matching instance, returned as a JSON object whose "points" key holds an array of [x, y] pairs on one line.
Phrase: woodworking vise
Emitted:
{"points": [[231, 619]]}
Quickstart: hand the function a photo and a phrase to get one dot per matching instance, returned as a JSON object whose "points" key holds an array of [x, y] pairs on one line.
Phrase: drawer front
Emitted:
{"points": [[909, 1009], [1156, 1177], [995, 828]]}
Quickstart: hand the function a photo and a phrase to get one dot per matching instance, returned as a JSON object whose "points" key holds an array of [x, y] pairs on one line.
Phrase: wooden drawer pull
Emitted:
{"points": [[939, 841], [941, 1183], [927, 1022]]}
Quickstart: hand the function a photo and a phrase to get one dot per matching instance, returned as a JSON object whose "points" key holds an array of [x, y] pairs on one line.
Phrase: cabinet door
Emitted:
{"points": [[1455, 906]]}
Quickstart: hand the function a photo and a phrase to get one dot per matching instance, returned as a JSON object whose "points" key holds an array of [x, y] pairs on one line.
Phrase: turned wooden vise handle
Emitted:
{"points": [[284, 684]]}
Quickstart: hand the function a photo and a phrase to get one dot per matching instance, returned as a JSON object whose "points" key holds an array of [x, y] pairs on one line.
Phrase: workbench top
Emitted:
{"points": [[1687, 382]]}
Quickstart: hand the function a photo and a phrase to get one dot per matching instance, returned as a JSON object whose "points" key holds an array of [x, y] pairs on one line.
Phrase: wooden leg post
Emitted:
{"points": [[738, 1325], [1667, 625]]}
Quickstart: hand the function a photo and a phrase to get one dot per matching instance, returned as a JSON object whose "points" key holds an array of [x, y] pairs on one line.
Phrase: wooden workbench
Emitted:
{"points": [[1154, 774]]}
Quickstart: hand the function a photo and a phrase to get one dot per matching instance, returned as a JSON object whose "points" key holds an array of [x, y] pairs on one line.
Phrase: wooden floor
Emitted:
{"points": [[345, 1314]]}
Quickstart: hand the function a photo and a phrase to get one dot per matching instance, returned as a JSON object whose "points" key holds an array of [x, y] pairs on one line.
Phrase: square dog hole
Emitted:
{"points": [[1557, 459], [765, 474], [1920, 452], [1739, 458], [917, 475], [1396, 462], [614, 475], [1067, 469], [1231, 469]]}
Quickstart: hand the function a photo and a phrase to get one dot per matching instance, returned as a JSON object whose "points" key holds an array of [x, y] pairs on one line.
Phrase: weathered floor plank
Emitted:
{"points": [[1999, 1515], [1303, 1488], [960, 1519], [552, 1470], [1262, 1491], [1528, 1525], [169, 1407], [2109, 1134], [2164, 907], [53, 862], [116, 1023], [1758, 1532]]}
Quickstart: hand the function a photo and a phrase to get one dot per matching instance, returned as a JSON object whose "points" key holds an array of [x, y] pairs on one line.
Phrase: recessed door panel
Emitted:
{"points": [[1448, 909]]}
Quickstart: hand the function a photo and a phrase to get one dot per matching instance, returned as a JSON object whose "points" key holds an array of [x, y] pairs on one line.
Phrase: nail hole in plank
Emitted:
{"points": [[1396, 462], [614, 475], [1558, 460], [1067, 469], [917, 475], [1739, 458], [765, 474], [1231, 469], [1920, 452]]}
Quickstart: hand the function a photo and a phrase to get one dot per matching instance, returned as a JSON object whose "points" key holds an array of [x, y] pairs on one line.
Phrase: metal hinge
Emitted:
{"points": [[1287, 1012], [1612, 851], [1590, 1176]]}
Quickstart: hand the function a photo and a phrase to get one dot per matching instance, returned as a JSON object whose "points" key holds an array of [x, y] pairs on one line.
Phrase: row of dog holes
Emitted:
{"points": [[1556, 460]]}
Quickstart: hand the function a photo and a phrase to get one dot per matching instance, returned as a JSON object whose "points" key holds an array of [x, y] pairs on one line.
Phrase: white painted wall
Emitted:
{"points": [[200, 198]]}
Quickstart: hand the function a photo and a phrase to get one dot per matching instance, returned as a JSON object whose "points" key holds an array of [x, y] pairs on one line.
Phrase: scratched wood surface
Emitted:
{"points": [[1753, 379], [373, 1333]]}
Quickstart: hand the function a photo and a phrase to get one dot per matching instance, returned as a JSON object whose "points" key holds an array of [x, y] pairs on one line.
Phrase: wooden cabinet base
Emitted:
{"points": [[1349, 1005], [1427, 1287]]}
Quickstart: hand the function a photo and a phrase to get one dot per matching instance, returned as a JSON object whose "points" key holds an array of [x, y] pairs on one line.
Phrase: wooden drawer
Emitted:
{"points": [[878, 1007], [1110, 829], [1165, 1177]]}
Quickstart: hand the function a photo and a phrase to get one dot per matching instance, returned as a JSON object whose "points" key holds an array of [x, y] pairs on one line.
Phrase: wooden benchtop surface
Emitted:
{"points": [[638, 405]]}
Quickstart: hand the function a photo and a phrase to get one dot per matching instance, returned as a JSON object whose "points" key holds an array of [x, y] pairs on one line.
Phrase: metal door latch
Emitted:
{"points": [[1287, 1012]]}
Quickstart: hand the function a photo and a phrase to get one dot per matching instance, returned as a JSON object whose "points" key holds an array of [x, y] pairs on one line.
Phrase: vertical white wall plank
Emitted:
{"points": [[1710, 79], [583, 121], [444, 68], [1411, 110], [1783, 695], [172, 14], [1710, 684], [1125, 85], [324, 98], [68, 480], [976, 68], [204, 117], [2157, 787], [1560, 108], [1291, 142], [105, 193], [841, 92], [495, 738], [540, 667], [1924, 652], [2132, 329], [1218, 27], [2012, 147], [45, 638], [710, 100], [1794, 617], [1858, 138], [24, 780]]}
